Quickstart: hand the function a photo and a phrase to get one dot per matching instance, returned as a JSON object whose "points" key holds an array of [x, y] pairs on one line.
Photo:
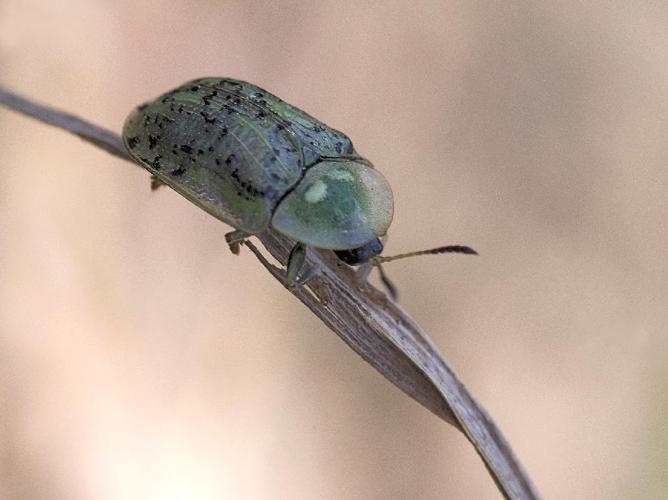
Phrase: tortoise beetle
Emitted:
{"points": [[254, 161]]}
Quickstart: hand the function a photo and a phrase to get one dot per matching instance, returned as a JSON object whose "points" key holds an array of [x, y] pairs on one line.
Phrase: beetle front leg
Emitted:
{"points": [[363, 271], [235, 238], [294, 278], [362, 274]]}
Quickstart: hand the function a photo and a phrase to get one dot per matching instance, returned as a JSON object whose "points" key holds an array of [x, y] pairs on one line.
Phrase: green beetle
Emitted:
{"points": [[254, 161]]}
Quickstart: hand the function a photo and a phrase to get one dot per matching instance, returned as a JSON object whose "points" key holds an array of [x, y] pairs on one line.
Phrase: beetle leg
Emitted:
{"points": [[235, 238], [387, 282], [295, 263], [306, 276], [156, 183], [294, 276], [363, 271]]}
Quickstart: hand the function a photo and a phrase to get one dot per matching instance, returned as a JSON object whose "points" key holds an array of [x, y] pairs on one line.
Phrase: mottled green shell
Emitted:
{"points": [[241, 153]]}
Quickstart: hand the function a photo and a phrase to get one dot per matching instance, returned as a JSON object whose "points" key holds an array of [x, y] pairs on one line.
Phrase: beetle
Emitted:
{"points": [[254, 161]]}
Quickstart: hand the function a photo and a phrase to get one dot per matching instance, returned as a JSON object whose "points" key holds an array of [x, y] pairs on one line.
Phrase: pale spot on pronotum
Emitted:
{"points": [[317, 192]]}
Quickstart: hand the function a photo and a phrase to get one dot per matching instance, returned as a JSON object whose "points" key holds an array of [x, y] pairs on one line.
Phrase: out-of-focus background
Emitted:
{"points": [[140, 359]]}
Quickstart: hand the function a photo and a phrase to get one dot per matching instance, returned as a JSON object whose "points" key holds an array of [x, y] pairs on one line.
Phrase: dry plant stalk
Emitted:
{"points": [[375, 327]]}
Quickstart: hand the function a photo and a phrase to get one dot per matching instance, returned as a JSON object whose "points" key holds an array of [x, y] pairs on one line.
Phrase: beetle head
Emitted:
{"points": [[360, 255]]}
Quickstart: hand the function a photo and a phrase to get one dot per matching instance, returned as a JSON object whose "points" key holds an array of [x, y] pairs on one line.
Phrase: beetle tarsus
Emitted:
{"points": [[302, 280], [295, 263], [294, 277], [235, 239], [235, 247], [156, 183]]}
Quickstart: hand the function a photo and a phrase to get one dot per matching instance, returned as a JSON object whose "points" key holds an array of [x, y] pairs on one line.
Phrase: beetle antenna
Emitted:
{"points": [[376, 261], [387, 282]]}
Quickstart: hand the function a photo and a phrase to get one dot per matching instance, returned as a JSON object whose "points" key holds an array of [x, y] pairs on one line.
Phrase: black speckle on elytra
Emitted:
{"points": [[207, 98], [181, 109], [152, 141], [218, 162], [200, 152], [207, 118], [229, 159], [156, 162], [210, 149], [178, 172], [186, 149], [132, 142], [246, 189], [194, 88]]}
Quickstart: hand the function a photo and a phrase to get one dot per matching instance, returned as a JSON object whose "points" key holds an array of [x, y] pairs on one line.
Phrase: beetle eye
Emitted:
{"points": [[360, 255]]}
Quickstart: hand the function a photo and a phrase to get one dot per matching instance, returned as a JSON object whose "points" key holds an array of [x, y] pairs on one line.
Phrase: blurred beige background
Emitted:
{"points": [[140, 359]]}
